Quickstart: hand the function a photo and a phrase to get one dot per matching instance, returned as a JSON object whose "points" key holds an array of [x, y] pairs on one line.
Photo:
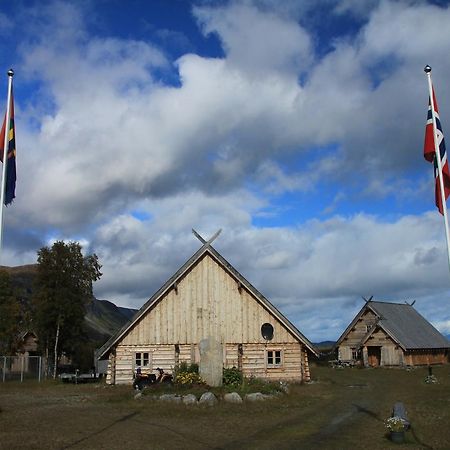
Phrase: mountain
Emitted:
{"points": [[23, 279], [103, 318], [324, 345]]}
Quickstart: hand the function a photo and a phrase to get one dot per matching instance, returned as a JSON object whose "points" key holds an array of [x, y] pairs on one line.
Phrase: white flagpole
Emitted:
{"points": [[5, 155], [427, 70]]}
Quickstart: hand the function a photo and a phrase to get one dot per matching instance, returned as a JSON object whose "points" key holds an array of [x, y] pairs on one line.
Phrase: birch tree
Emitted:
{"points": [[63, 290]]}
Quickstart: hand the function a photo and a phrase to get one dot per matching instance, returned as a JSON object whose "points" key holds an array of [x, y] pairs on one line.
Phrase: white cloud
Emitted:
{"points": [[255, 41], [112, 138], [302, 271], [116, 135]]}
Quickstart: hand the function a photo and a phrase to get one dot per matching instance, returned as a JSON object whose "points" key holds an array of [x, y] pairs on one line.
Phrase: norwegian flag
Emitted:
{"points": [[430, 153]]}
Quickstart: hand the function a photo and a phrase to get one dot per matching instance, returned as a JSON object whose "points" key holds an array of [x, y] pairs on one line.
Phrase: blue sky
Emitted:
{"points": [[297, 127]]}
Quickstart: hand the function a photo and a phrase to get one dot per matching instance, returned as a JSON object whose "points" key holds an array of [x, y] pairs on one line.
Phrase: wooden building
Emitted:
{"points": [[392, 334], [26, 357], [205, 299]]}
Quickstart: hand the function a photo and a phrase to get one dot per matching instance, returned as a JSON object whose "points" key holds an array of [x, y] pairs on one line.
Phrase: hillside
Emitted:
{"points": [[103, 318]]}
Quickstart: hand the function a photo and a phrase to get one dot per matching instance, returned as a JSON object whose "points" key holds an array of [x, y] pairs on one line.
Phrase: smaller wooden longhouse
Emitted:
{"points": [[392, 334], [208, 301]]}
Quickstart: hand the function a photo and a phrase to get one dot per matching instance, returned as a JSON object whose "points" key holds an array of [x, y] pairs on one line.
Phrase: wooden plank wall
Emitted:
{"points": [[207, 303], [358, 332], [391, 355], [426, 357]]}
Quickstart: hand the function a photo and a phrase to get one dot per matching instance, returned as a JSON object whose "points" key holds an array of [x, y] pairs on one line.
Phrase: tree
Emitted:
{"points": [[63, 290], [9, 315]]}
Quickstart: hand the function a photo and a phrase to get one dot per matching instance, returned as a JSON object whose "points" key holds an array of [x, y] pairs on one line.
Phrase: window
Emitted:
{"points": [[141, 359], [267, 331], [273, 358], [354, 353]]}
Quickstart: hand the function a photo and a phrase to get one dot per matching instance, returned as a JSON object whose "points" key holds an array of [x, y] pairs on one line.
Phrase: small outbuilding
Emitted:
{"points": [[392, 334], [207, 313]]}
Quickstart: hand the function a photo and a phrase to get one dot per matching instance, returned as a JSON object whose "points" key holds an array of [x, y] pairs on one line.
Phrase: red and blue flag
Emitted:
{"points": [[10, 185], [430, 153]]}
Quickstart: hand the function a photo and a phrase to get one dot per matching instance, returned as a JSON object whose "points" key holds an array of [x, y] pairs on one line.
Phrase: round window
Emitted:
{"points": [[267, 331]]}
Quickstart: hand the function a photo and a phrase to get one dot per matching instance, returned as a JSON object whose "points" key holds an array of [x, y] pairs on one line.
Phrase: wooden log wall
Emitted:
{"points": [[254, 360]]}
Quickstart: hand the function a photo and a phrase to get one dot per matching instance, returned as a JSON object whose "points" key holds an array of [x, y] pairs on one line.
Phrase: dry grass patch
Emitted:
{"points": [[339, 409]]}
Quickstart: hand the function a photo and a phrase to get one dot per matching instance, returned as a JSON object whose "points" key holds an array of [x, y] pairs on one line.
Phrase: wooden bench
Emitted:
{"points": [[399, 410]]}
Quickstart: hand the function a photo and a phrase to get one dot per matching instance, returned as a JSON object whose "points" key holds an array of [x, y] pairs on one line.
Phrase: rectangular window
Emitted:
{"points": [[141, 359], [273, 358], [354, 354]]}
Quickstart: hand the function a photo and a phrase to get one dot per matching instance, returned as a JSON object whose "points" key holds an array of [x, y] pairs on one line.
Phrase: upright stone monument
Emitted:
{"points": [[211, 361]]}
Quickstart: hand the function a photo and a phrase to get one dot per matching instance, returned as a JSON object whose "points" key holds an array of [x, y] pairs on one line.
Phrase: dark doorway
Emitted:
{"points": [[374, 356]]}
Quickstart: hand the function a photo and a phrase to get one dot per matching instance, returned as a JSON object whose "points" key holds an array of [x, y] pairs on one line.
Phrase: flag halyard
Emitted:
{"points": [[430, 153], [10, 184]]}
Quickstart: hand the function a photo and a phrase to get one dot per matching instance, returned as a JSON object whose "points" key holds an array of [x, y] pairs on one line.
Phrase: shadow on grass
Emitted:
{"points": [[422, 444], [377, 417], [363, 410], [131, 416], [122, 419]]}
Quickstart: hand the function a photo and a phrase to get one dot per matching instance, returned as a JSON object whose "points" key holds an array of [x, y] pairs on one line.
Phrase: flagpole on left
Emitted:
{"points": [[427, 70], [5, 155]]}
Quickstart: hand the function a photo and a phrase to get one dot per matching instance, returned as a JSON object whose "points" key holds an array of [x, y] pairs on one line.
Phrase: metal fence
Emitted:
{"points": [[20, 368]]}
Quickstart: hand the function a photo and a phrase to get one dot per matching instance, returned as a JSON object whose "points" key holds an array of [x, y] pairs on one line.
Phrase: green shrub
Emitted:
{"points": [[253, 384], [185, 378], [232, 376], [186, 374], [184, 367], [193, 368]]}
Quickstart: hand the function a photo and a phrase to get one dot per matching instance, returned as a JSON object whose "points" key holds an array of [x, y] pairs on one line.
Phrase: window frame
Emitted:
{"points": [[271, 354], [140, 360]]}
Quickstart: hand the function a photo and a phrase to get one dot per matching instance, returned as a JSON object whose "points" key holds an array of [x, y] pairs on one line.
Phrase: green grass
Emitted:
{"points": [[340, 409]]}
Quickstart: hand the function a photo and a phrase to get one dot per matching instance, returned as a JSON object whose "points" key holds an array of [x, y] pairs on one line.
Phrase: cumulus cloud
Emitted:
{"points": [[241, 112], [113, 154], [257, 41], [322, 266]]}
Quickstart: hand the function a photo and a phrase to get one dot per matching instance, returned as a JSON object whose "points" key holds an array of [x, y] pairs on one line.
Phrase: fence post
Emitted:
{"points": [[4, 369], [40, 368], [22, 368]]}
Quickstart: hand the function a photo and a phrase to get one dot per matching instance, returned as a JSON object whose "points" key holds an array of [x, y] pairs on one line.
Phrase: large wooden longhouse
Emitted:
{"points": [[208, 299], [392, 334]]}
